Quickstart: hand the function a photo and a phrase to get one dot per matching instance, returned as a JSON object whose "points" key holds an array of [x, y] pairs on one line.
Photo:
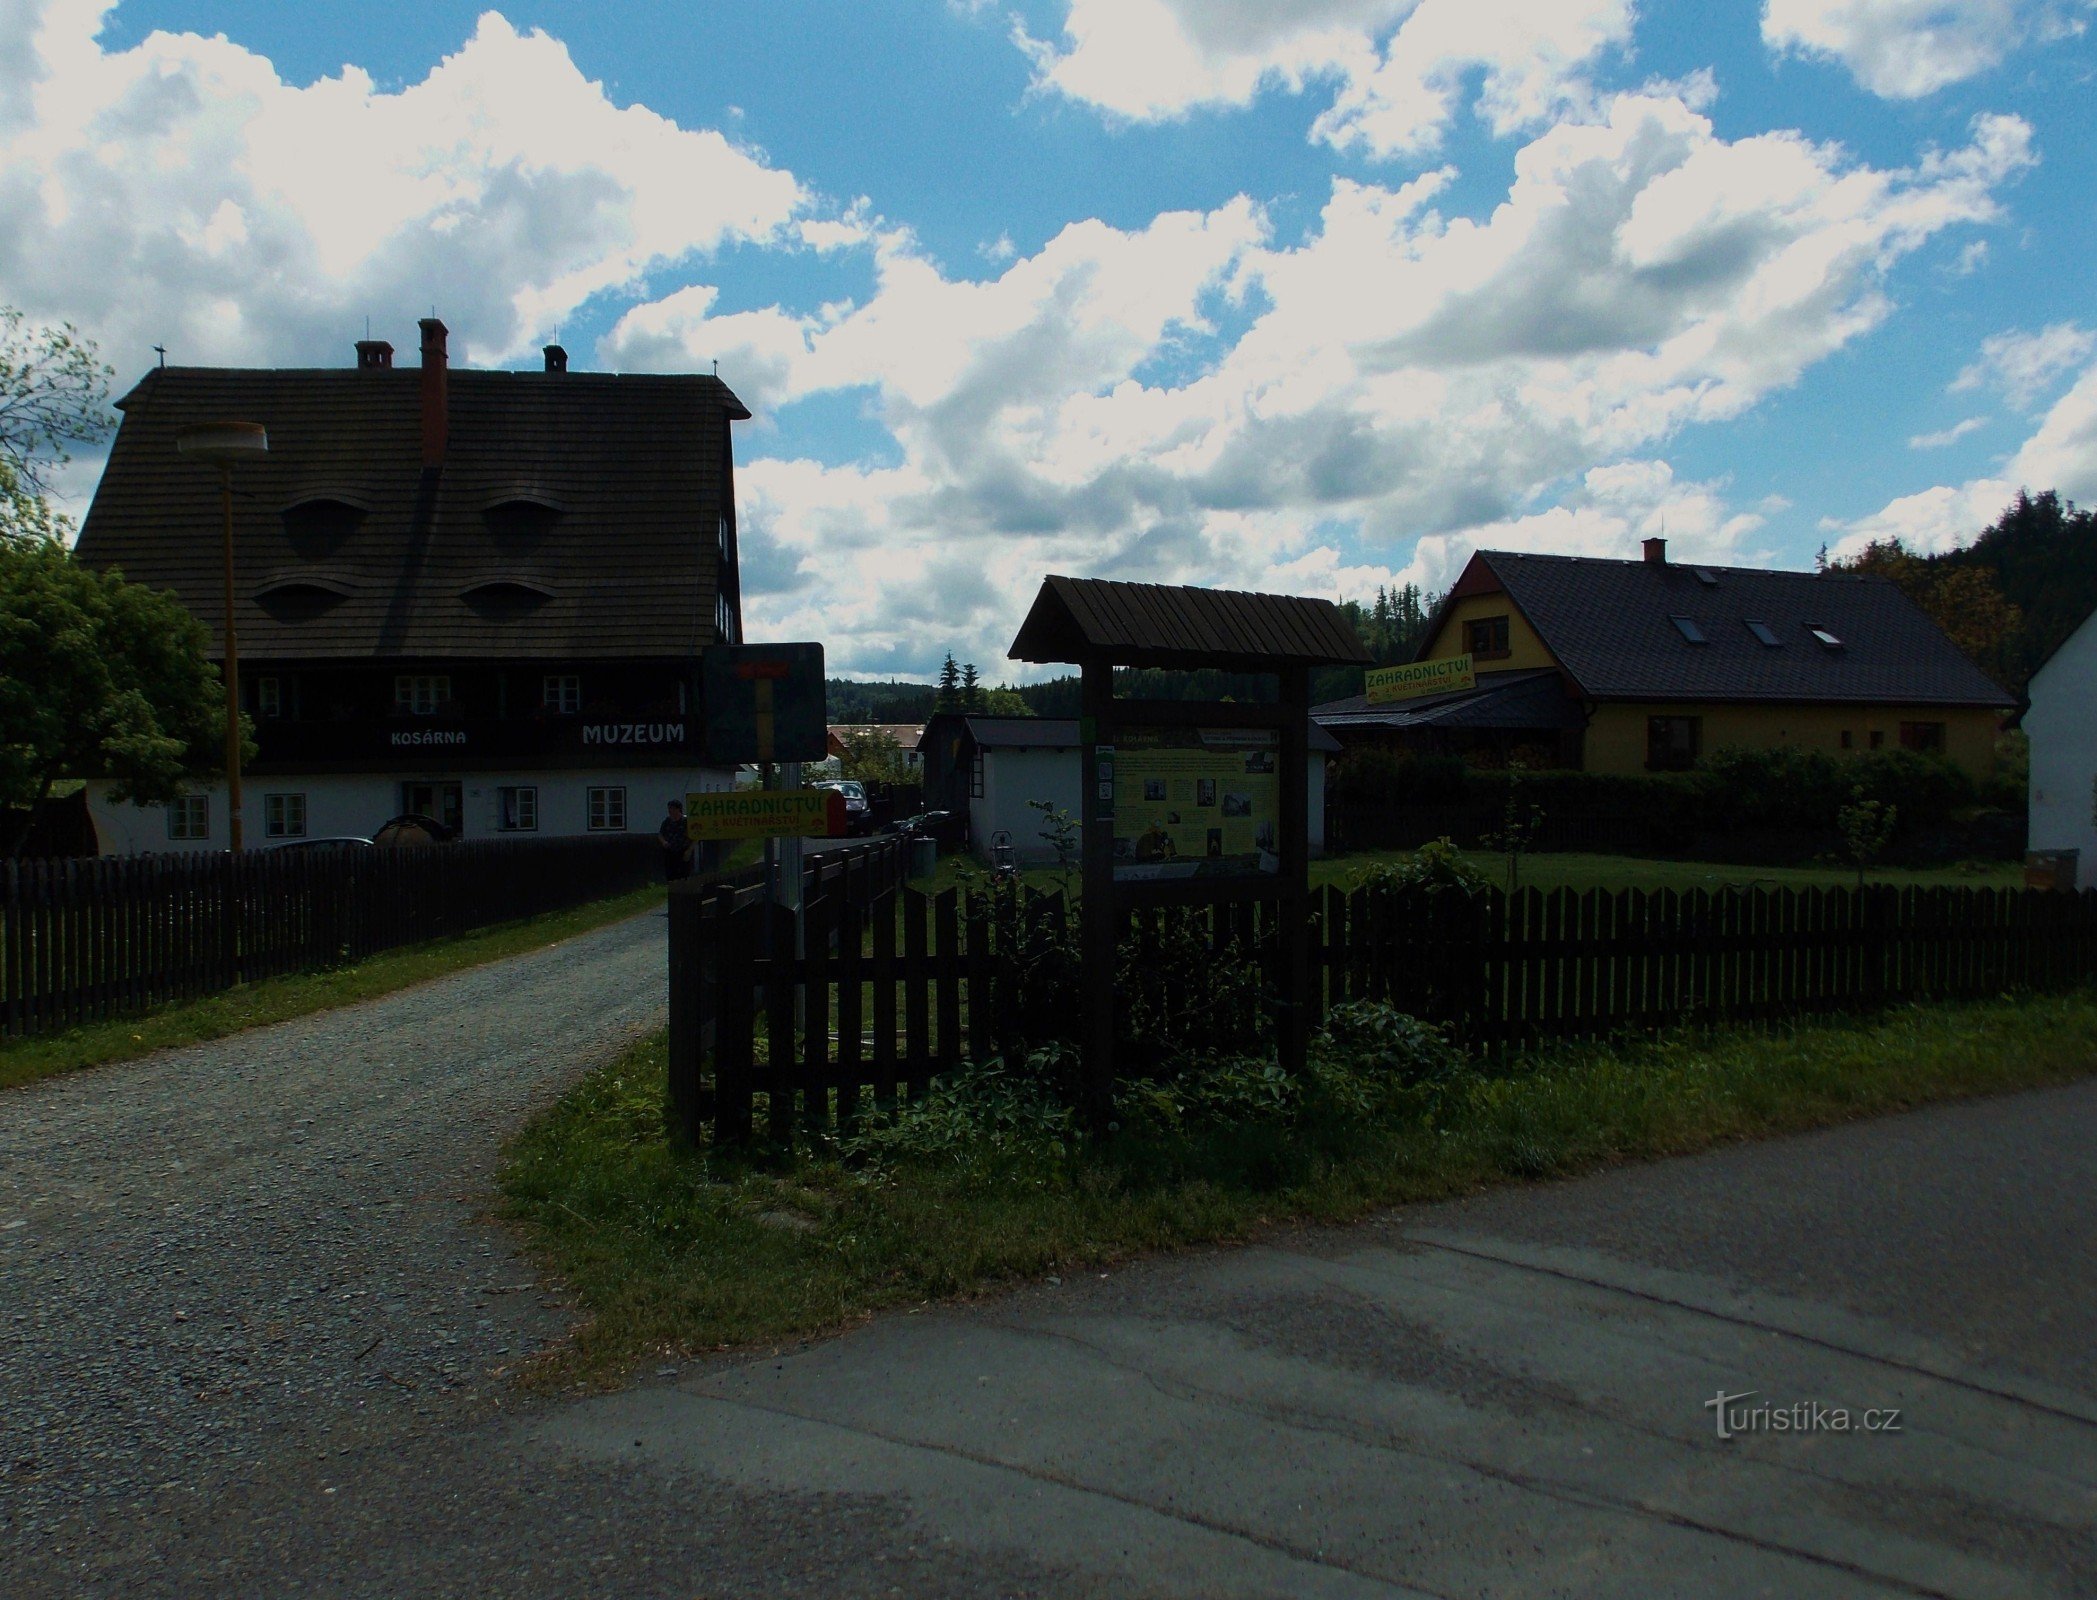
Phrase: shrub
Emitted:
{"points": [[1436, 866]]}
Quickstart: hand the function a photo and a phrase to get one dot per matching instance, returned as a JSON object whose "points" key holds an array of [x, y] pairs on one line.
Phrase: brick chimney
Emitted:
{"points": [[556, 358], [374, 355], [1656, 552], [436, 412]]}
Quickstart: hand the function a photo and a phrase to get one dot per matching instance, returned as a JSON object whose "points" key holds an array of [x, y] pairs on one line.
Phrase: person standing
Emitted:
{"points": [[677, 844]]}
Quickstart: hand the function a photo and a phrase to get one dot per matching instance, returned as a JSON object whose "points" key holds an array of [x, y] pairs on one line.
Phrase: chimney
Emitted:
{"points": [[1656, 552], [374, 355], [556, 359], [436, 415]]}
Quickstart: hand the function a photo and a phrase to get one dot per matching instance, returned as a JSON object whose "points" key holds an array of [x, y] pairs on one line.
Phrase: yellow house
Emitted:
{"points": [[1643, 666]]}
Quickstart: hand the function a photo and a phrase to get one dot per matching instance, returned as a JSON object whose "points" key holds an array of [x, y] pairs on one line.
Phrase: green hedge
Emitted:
{"points": [[1780, 790]]}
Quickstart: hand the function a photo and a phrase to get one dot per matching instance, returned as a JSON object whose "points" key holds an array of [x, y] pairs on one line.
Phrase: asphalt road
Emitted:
{"points": [[256, 1338]]}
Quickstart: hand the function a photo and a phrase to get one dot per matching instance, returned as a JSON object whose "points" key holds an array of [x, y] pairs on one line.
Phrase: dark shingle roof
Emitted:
{"points": [[1610, 625], [637, 468], [1534, 698], [1162, 625], [1061, 733]]}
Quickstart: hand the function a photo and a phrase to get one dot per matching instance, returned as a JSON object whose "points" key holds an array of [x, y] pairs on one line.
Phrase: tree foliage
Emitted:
{"points": [[2013, 595], [872, 755], [100, 678], [1967, 602], [54, 392]]}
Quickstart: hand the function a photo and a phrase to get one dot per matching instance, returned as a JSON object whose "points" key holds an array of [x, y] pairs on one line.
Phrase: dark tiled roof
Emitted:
{"points": [[1535, 698], [1160, 625], [637, 468], [1610, 625], [1061, 733]]}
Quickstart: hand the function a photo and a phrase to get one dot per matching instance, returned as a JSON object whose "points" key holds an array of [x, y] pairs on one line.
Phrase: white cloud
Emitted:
{"points": [[1946, 436], [235, 217], [1400, 66], [2061, 454], [1904, 49], [2024, 365], [1194, 402]]}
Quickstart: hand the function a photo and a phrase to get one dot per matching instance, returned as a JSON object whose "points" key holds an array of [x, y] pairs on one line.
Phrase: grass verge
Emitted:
{"points": [[279, 999], [672, 1250]]}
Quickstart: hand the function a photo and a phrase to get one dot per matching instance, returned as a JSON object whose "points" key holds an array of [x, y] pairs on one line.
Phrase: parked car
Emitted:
{"points": [[859, 815], [347, 841]]}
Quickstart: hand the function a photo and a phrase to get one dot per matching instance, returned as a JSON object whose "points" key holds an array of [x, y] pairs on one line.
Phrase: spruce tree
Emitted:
{"points": [[949, 696]]}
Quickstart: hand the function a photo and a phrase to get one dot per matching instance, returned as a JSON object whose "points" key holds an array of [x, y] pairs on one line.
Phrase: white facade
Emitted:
{"points": [[1013, 777], [338, 805], [2062, 727]]}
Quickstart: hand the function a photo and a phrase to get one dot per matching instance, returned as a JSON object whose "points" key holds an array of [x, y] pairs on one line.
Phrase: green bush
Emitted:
{"points": [[1436, 866]]}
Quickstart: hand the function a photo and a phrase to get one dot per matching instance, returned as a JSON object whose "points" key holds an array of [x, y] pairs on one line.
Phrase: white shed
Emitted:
{"points": [[2062, 727], [1010, 761]]}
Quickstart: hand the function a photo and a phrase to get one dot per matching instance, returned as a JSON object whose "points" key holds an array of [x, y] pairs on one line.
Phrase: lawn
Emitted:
{"points": [[1581, 871], [279, 999], [672, 1250]]}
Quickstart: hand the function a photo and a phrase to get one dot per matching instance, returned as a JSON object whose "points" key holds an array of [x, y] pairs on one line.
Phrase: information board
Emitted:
{"points": [[764, 814], [1381, 685], [1194, 802]]}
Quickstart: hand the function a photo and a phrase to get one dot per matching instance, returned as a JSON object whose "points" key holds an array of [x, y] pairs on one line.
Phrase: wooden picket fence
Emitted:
{"points": [[895, 987], [87, 940]]}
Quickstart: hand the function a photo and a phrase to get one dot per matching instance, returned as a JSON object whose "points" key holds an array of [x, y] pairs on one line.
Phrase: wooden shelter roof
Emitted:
{"points": [[1164, 625]]}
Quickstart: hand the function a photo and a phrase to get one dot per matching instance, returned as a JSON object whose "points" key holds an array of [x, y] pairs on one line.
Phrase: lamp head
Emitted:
{"points": [[224, 444]]}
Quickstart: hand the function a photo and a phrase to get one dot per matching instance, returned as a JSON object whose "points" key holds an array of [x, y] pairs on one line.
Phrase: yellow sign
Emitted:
{"points": [[764, 814], [1419, 678], [1194, 802]]}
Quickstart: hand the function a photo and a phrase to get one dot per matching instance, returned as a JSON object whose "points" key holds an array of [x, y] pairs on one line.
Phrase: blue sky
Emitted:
{"points": [[1308, 296]]}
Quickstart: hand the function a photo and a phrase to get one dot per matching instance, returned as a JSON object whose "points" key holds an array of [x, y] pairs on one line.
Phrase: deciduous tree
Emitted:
{"points": [[54, 391], [99, 678]]}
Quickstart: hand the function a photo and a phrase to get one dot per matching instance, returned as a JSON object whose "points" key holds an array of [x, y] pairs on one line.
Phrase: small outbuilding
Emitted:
{"points": [[2063, 734]]}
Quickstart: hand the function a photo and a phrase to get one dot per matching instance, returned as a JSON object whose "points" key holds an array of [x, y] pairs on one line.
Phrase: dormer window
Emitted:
{"points": [[321, 519], [1687, 627], [1827, 638], [521, 516], [506, 599]]}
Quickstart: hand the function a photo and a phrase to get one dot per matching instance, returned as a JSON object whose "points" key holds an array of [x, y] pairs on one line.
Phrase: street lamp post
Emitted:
{"points": [[222, 444]]}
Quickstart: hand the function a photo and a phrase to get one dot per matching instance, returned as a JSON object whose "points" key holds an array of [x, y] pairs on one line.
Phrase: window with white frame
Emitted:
{"points": [[284, 816], [189, 817], [562, 693], [517, 808], [607, 809], [269, 697], [420, 694]]}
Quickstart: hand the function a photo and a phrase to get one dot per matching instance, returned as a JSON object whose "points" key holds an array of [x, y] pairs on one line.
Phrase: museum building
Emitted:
{"points": [[478, 596]]}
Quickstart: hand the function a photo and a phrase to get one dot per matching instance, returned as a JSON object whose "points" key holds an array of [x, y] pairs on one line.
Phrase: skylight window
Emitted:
{"points": [[1764, 632], [1707, 577], [1690, 630], [1824, 636]]}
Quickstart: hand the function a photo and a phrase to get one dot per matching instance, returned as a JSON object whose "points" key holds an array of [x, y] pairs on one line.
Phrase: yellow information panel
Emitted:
{"points": [[1195, 802], [1418, 678], [764, 814]]}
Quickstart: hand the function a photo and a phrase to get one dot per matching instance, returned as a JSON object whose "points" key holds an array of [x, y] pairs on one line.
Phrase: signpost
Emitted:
{"points": [[1381, 685], [764, 703], [1190, 803]]}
